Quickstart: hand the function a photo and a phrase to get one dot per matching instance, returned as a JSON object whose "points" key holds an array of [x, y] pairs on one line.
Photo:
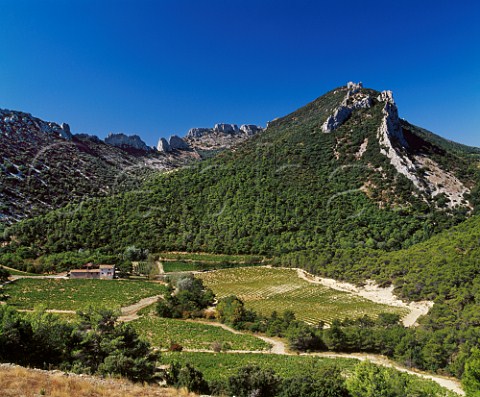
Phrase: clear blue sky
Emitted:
{"points": [[157, 68]]}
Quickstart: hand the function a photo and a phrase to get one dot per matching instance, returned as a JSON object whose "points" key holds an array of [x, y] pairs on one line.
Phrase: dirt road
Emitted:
{"points": [[130, 313]]}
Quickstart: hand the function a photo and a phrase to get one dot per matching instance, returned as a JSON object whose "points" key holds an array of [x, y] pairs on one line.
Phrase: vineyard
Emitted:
{"points": [[265, 290], [78, 294], [222, 366], [162, 332]]}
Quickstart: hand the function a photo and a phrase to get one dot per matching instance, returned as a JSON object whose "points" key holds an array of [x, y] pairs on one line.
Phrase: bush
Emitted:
{"points": [[254, 381]]}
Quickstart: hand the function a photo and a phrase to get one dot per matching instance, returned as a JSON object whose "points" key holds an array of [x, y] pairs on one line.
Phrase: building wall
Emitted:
{"points": [[95, 275], [107, 273]]}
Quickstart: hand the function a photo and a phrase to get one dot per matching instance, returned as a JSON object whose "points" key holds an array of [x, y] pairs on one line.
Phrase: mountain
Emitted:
{"points": [[208, 142], [44, 166], [342, 172]]}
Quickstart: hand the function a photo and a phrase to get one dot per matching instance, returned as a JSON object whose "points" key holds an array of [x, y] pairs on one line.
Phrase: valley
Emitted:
{"points": [[199, 340], [339, 233]]}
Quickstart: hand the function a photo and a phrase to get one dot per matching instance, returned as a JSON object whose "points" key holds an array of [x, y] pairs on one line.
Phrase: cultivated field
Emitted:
{"points": [[64, 294], [267, 289], [223, 365], [184, 266], [161, 332]]}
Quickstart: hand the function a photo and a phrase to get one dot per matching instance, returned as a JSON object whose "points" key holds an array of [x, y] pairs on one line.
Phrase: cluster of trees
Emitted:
{"points": [[94, 345], [187, 299]]}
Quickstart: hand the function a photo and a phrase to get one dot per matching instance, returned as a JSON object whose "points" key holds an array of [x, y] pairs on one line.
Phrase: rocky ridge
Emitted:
{"points": [[221, 136], [20, 124], [44, 166], [354, 99], [426, 175]]}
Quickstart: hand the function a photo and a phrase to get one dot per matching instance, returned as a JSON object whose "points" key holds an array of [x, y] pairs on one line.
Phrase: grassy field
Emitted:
{"points": [[78, 294], [184, 266], [204, 257], [161, 332], [267, 289], [222, 365]]}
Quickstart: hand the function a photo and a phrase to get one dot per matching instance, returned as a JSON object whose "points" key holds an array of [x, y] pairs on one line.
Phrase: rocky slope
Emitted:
{"points": [[405, 151], [44, 166]]}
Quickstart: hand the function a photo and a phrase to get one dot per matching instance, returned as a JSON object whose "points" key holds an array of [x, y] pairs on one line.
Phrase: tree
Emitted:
{"points": [[192, 379], [103, 347], [231, 310], [471, 376], [302, 337], [369, 380], [335, 338], [125, 268], [190, 299], [4, 274], [323, 382], [133, 253], [51, 337]]}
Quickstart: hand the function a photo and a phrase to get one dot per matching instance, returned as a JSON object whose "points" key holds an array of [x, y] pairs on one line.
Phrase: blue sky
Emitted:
{"points": [[157, 68]]}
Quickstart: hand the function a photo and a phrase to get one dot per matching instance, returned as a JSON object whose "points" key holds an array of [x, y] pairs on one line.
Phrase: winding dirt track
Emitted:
{"points": [[130, 313], [279, 347]]}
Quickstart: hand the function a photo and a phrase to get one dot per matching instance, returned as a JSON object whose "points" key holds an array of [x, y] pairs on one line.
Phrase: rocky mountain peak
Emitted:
{"points": [[225, 129], [126, 141], [391, 125]]}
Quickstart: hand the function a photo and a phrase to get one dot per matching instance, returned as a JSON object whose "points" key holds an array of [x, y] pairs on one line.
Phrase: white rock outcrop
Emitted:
{"points": [[126, 141], [163, 145], [226, 128], [389, 133], [198, 132], [353, 100], [250, 129]]}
